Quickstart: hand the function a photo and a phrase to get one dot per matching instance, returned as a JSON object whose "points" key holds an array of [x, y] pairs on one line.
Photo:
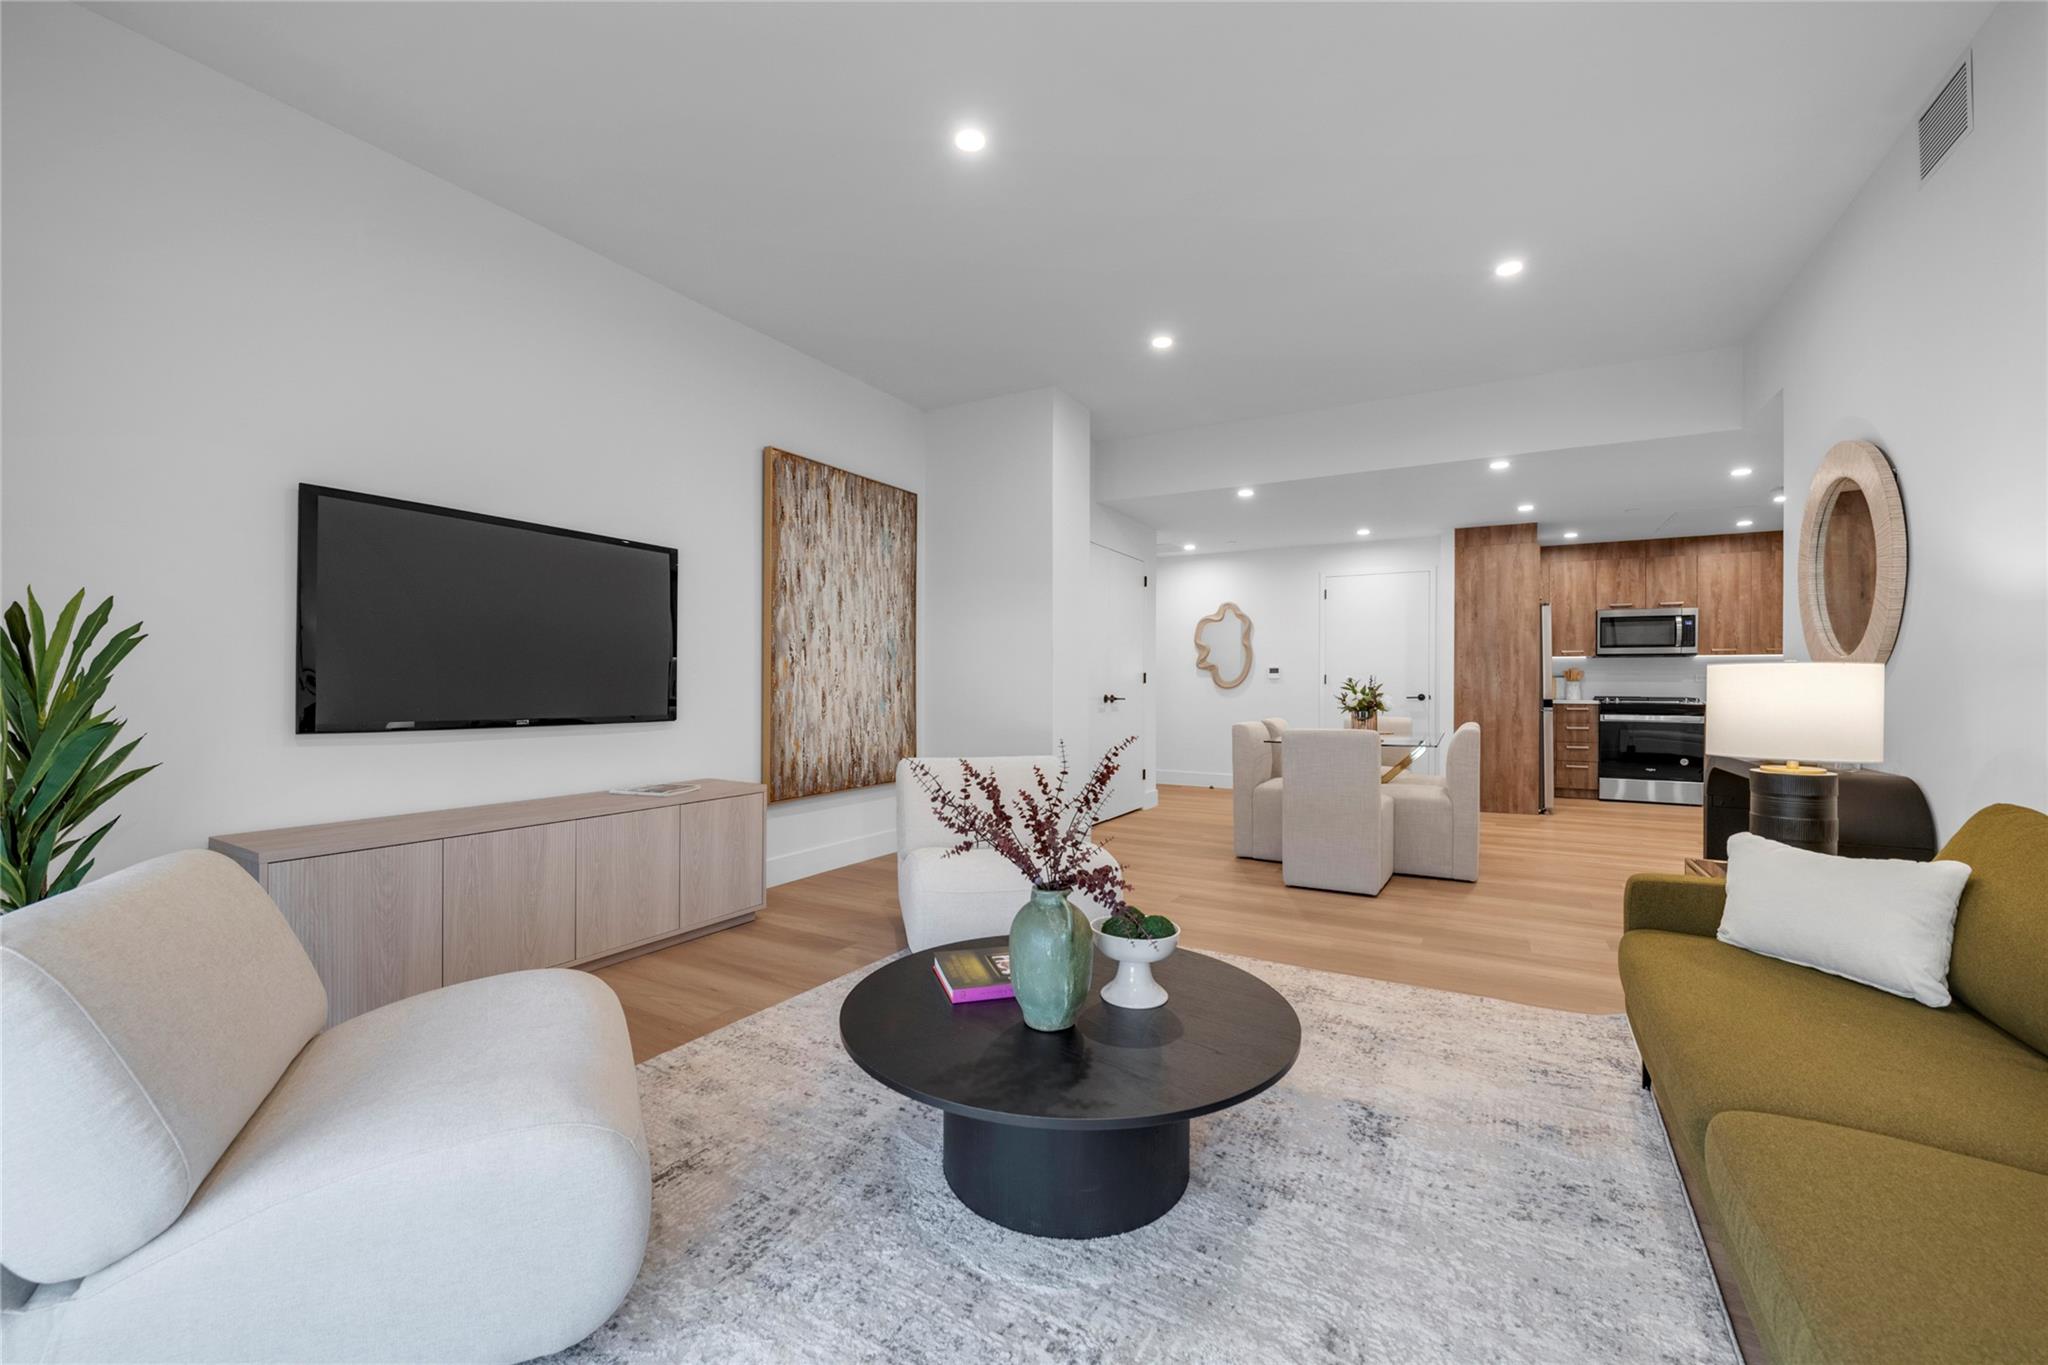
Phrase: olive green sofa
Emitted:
{"points": [[1876, 1171]]}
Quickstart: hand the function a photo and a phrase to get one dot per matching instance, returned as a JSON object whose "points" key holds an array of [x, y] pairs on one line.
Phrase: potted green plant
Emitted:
{"points": [[61, 763], [1134, 941], [1362, 702]]}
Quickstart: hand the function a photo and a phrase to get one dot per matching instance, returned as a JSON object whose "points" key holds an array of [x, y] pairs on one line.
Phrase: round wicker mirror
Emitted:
{"points": [[1852, 557]]}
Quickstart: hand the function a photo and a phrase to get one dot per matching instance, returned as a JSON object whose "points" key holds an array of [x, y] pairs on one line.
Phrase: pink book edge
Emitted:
{"points": [[972, 993]]}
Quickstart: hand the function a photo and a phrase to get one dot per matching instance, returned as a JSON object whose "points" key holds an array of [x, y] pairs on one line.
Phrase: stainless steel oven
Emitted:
{"points": [[1653, 749], [1652, 630]]}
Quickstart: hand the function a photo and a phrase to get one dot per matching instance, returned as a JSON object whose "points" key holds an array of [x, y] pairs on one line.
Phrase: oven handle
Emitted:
{"points": [[1674, 720]]}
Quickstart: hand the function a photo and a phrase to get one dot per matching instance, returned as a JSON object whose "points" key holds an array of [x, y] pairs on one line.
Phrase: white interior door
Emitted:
{"points": [[1119, 667], [1381, 625]]}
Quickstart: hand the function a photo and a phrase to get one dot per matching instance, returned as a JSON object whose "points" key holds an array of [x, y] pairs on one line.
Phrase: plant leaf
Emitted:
{"points": [[105, 794], [53, 651], [80, 864], [87, 633], [72, 757]]}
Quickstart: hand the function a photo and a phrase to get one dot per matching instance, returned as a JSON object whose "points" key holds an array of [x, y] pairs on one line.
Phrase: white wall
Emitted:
{"points": [[987, 621], [1682, 395], [1922, 325], [1281, 590], [211, 297]]}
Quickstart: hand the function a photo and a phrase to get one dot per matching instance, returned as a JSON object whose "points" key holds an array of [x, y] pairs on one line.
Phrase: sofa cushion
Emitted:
{"points": [[1852, 1247], [461, 1175], [1722, 1029], [146, 1014], [2001, 935]]}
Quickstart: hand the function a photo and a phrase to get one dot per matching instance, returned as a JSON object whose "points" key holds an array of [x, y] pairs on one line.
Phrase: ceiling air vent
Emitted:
{"points": [[1946, 120]]}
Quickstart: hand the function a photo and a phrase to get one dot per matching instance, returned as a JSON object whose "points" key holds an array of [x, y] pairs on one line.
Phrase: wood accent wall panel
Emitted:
{"points": [[722, 862], [370, 920], [628, 879], [508, 901], [1500, 584]]}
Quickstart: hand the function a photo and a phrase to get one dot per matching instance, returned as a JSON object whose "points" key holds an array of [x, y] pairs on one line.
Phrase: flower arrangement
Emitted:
{"points": [[1046, 837], [1363, 700]]}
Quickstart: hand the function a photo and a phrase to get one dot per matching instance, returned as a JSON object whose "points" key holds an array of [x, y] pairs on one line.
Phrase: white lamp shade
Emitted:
{"points": [[1820, 713]]}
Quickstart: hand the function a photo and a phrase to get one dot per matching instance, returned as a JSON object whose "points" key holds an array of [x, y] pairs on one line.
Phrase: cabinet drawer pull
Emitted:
{"points": [[1574, 765], [1671, 604], [1578, 746], [1731, 649], [1621, 604]]}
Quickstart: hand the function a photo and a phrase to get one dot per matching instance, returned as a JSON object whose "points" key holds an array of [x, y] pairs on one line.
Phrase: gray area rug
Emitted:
{"points": [[1440, 1178]]}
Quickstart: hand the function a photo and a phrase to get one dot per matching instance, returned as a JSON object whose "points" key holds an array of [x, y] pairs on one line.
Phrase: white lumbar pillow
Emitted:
{"points": [[1881, 921]]}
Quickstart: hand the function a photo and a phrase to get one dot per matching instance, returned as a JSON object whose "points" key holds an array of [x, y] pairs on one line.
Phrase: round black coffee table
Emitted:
{"points": [[1082, 1133]]}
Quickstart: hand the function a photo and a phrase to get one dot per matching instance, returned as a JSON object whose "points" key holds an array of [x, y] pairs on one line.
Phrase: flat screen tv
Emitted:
{"points": [[425, 618]]}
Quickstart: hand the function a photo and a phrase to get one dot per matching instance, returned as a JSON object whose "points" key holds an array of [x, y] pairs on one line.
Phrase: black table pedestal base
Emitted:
{"points": [[1054, 1182]]}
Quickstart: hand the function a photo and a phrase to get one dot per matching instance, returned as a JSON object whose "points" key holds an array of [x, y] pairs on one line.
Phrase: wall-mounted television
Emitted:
{"points": [[414, 617]]}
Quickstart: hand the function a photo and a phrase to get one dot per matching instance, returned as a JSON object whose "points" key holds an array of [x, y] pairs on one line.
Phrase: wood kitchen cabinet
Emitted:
{"points": [[1741, 591], [1671, 574], [1736, 582], [1617, 577], [1573, 587], [1575, 746]]}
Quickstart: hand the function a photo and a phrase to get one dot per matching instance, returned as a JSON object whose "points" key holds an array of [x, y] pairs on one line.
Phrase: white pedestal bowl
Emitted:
{"points": [[1133, 987]]}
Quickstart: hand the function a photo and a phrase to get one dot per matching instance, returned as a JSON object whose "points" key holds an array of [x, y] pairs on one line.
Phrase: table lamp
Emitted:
{"points": [[1788, 712]]}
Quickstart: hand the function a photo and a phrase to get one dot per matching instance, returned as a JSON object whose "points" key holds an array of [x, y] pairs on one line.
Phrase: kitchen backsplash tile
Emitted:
{"points": [[1644, 677]]}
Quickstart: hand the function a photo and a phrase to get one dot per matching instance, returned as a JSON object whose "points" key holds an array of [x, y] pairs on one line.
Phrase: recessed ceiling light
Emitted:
{"points": [[1497, 465], [1741, 471], [1778, 496], [1162, 342], [1571, 535], [1189, 546], [1746, 521], [1365, 530], [1244, 492], [1526, 507], [1507, 270], [970, 139]]}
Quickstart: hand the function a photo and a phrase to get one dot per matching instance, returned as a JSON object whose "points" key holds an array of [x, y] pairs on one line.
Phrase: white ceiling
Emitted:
{"points": [[1639, 490], [1310, 196]]}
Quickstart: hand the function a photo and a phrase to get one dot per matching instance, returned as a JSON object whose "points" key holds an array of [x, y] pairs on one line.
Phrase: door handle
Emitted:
{"points": [[1419, 696], [1111, 697]]}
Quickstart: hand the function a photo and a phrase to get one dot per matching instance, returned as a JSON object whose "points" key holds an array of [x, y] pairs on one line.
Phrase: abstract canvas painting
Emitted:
{"points": [[838, 628]]}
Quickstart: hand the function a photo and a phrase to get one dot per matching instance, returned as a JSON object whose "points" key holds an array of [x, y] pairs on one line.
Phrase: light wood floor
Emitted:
{"points": [[1539, 926]]}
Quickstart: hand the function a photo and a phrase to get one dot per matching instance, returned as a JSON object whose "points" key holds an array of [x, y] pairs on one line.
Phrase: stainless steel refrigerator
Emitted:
{"points": [[1548, 759]]}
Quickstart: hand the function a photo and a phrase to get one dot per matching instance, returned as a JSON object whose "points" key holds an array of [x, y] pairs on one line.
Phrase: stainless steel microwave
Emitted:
{"points": [[1647, 630]]}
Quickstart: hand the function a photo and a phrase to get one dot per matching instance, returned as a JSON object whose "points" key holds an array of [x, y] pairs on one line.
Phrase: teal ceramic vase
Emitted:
{"points": [[1051, 960]]}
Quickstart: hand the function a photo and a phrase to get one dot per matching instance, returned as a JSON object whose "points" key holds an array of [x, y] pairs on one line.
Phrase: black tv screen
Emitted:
{"points": [[414, 618]]}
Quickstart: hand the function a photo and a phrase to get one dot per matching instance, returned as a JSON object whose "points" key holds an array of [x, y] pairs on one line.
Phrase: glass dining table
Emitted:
{"points": [[1409, 747]]}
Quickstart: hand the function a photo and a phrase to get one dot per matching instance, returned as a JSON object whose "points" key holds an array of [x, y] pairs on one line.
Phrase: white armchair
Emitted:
{"points": [[1337, 827], [1436, 819], [191, 1169], [1255, 787], [976, 894]]}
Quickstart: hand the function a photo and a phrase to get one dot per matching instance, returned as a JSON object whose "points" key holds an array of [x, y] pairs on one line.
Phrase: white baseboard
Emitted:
{"points": [[1188, 779], [809, 862], [1151, 799]]}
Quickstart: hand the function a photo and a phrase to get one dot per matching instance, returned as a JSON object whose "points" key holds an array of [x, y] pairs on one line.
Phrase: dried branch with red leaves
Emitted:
{"points": [[1047, 837]]}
